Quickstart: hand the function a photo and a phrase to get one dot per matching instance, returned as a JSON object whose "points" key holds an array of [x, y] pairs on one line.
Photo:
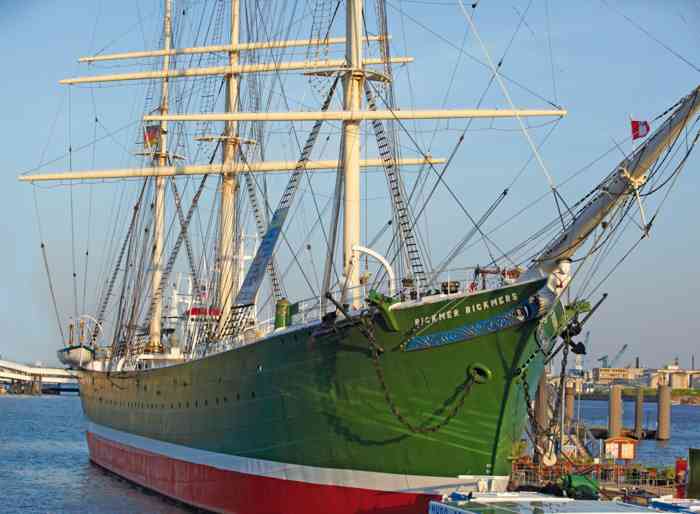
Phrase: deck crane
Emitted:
{"points": [[604, 359]]}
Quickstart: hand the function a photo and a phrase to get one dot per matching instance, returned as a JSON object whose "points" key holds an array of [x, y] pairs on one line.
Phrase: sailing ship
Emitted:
{"points": [[383, 391]]}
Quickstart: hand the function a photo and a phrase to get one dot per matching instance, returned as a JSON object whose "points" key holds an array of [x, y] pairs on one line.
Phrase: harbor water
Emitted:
{"points": [[44, 465]]}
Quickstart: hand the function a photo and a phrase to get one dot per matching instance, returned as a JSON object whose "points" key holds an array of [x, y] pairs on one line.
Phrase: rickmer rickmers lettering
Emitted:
{"points": [[515, 315], [468, 309]]}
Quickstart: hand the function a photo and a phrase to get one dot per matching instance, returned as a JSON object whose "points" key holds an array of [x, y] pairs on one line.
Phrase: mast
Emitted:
{"points": [[353, 86], [229, 183], [154, 329]]}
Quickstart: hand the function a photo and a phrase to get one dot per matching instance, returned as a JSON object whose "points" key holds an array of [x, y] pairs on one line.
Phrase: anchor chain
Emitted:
{"points": [[367, 329], [549, 432]]}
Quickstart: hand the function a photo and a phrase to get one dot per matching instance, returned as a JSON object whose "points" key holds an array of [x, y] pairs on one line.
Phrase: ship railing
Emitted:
{"points": [[612, 476], [469, 279], [313, 309], [463, 280]]}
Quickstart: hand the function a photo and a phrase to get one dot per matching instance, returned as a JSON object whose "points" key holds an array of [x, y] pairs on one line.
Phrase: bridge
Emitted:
{"points": [[23, 379]]}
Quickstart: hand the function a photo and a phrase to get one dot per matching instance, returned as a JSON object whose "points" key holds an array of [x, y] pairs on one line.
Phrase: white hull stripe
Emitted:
{"points": [[297, 472]]}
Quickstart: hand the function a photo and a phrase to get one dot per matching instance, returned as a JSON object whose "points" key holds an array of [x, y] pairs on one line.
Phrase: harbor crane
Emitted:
{"points": [[604, 359]]}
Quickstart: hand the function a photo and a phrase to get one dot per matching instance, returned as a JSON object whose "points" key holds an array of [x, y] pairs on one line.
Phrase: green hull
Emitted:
{"points": [[315, 399]]}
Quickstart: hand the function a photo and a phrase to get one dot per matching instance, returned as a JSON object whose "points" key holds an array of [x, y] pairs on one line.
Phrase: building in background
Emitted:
{"points": [[673, 375], [607, 376]]}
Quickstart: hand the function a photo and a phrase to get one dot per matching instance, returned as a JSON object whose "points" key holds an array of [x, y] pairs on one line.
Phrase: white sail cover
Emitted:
{"points": [[263, 256]]}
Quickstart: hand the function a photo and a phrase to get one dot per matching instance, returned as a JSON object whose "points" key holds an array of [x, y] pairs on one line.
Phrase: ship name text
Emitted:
{"points": [[467, 309]]}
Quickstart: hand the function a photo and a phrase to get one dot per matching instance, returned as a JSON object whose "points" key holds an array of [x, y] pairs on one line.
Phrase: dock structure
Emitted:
{"points": [[35, 380]]}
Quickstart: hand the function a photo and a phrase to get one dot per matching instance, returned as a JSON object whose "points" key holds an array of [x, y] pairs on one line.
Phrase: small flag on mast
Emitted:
{"points": [[639, 129], [151, 135]]}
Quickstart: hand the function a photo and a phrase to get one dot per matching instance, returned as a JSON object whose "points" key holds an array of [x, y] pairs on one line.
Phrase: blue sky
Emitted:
{"points": [[605, 69]]}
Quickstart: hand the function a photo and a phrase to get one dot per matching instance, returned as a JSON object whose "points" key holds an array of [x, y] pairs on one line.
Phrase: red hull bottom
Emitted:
{"points": [[227, 491]]}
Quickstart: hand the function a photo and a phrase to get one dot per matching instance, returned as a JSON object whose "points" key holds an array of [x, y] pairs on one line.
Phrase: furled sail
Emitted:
{"points": [[629, 175]]}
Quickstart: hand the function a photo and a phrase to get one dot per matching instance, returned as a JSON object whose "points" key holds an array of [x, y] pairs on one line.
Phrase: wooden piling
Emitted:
{"points": [[615, 411], [663, 413], [35, 387], [569, 397], [541, 414], [639, 414]]}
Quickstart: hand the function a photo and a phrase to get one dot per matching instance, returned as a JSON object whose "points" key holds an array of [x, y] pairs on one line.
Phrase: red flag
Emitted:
{"points": [[151, 135], [639, 129]]}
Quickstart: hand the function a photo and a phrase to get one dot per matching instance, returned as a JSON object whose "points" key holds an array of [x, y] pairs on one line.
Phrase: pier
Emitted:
{"points": [[36, 380], [615, 427]]}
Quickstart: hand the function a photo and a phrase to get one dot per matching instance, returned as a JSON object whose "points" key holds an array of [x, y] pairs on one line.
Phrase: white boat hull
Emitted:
{"points": [[75, 356]]}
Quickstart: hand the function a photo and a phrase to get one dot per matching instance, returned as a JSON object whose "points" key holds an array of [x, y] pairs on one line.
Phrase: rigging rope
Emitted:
{"points": [[89, 218], [506, 94], [440, 179], [551, 55], [651, 36], [53, 294], [333, 238], [251, 283], [547, 228], [46, 265], [113, 278], [467, 54], [72, 214], [675, 175]]}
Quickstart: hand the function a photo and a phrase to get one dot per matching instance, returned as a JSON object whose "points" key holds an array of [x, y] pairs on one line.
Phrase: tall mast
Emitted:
{"points": [[353, 84], [154, 331], [229, 184]]}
